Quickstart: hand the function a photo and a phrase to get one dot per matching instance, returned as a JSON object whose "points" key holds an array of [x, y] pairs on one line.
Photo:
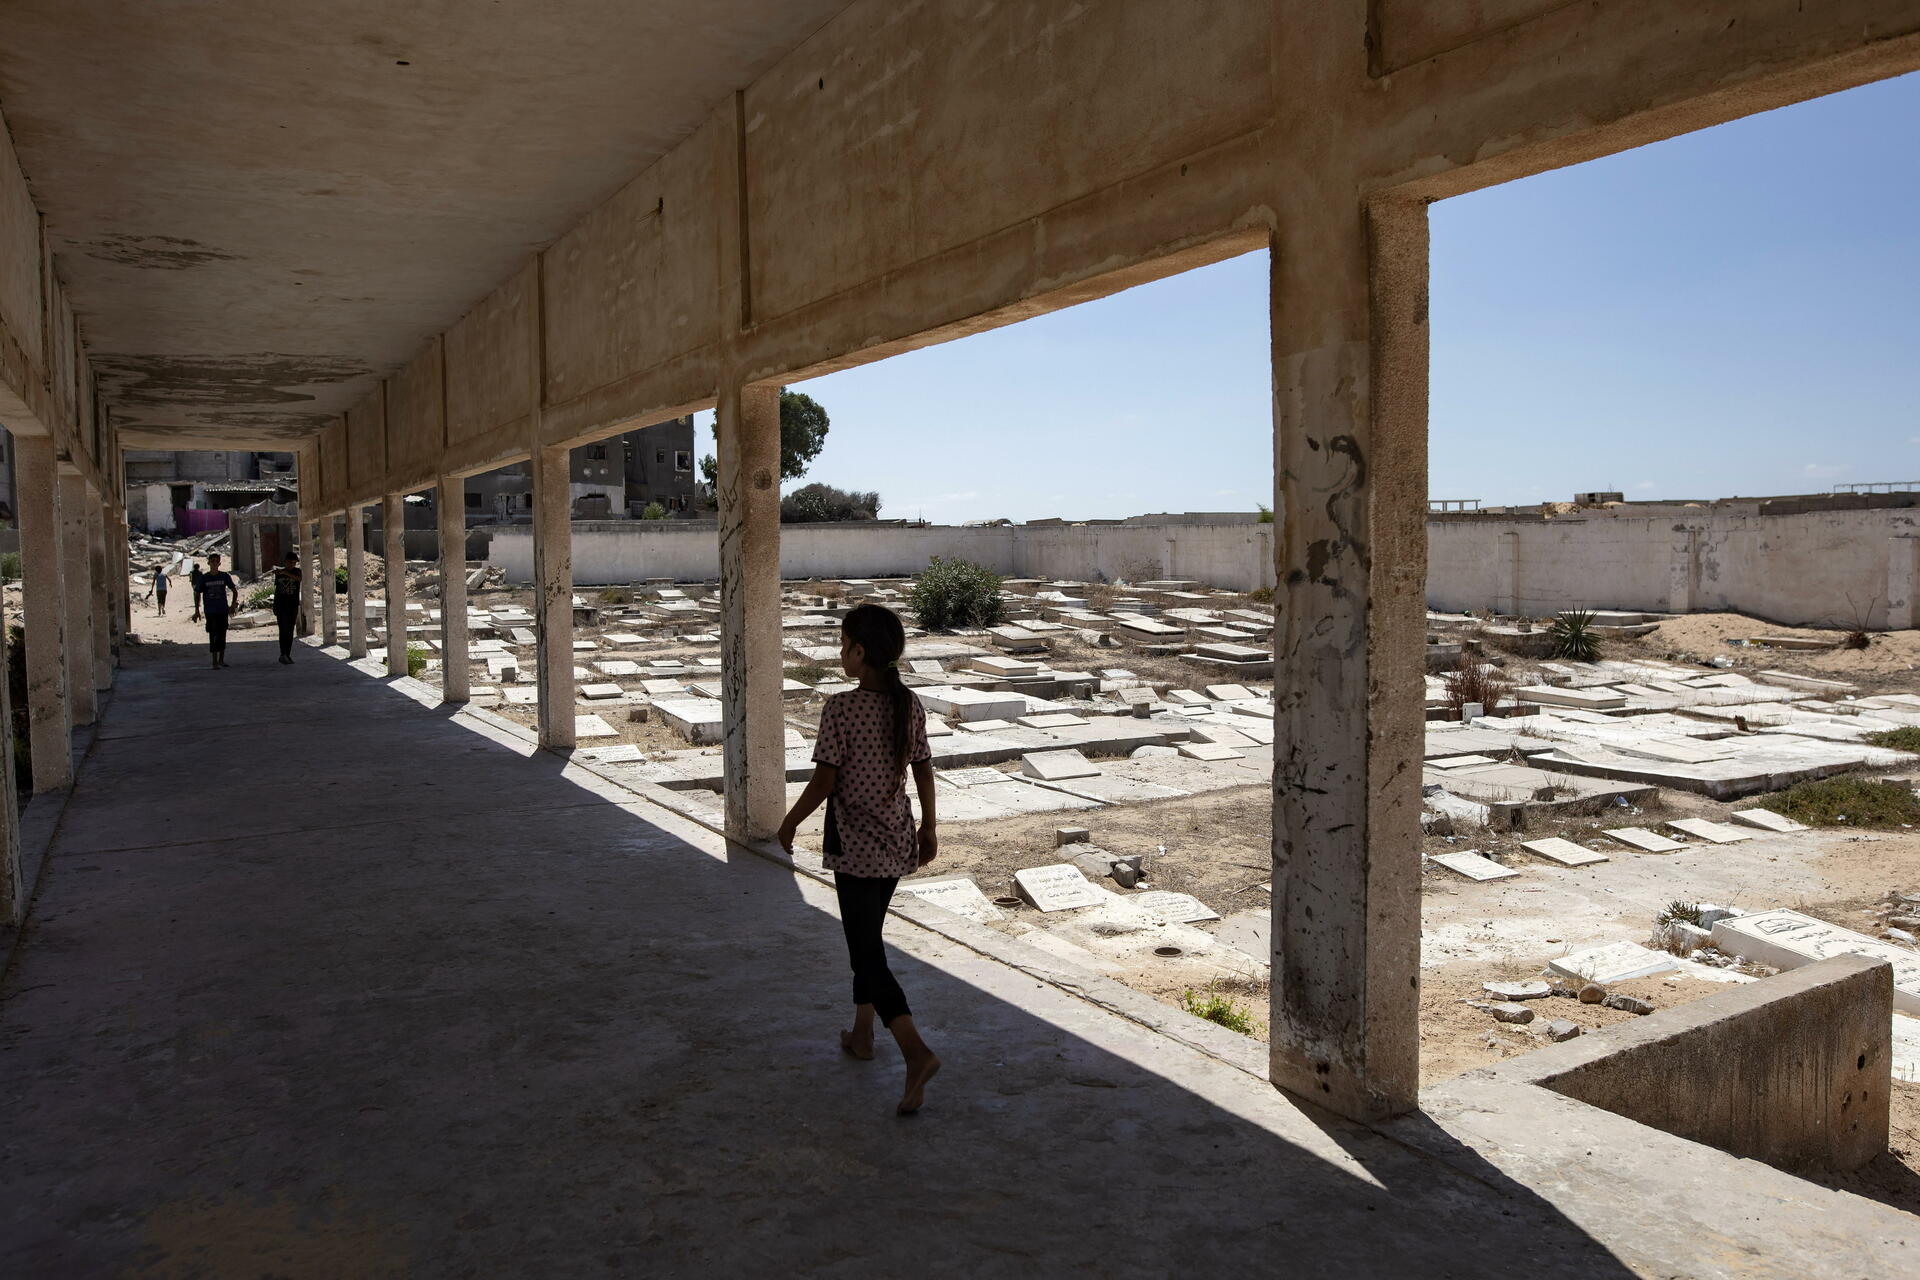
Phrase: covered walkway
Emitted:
{"points": [[321, 980]]}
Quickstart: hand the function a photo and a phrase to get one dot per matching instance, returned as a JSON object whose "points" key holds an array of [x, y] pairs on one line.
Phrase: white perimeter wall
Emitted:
{"points": [[1237, 556], [1829, 567]]}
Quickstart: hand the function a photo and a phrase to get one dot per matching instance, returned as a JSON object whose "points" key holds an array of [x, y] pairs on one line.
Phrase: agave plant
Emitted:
{"points": [[1573, 636]]}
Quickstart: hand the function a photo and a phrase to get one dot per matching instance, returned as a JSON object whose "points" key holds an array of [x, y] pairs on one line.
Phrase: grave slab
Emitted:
{"points": [[1057, 766], [592, 727], [1564, 852], [984, 726], [965, 705], [957, 893], [1230, 693], [1059, 887], [1768, 820], [1614, 962], [621, 753], [698, 720], [1644, 840], [1580, 699], [1787, 939], [1701, 829], [1209, 751], [1051, 720], [1460, 762], [597, 691], [1470, 864], [1167, 907]]}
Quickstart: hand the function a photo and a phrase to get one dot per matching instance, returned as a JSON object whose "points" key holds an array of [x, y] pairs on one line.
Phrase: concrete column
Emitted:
{"points": [[1350, 499], [1683, 570], [393, 536], [309, 578], [1903, 583], [1509, 599], [748, 486], [450, 507], [102, 598], [356, 584], [329, 597], [13, 894], [49, 717], [116, 549], [77, 592], [553, 583]]}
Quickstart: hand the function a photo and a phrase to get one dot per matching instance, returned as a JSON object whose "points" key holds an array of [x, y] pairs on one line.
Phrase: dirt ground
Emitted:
{"points": [[1886, 665]]}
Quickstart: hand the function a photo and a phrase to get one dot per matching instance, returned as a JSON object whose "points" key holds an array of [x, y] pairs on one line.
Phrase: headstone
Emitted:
{"points": [[958, 894], [1060, 887], [521, 697], [1460, 762], [972, 777], [601, 691], [1051, 720], [926, 667], [1714, 832], [1768, 820], [1474, 867], [1564, 852], [1209, 751], [618, 667], [984, 726], [1644, 840], [1229, 693], [1172, 908], [592, 727], [1057, 766], [664, 688], [1614, 962], [1787, 939], [1186, 698]]}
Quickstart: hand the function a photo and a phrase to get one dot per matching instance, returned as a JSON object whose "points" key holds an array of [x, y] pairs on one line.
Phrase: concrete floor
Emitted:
{"points": [[323, 982]]}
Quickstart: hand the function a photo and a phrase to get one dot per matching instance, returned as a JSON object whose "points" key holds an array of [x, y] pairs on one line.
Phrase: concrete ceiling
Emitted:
{"points": [[260, 207]]}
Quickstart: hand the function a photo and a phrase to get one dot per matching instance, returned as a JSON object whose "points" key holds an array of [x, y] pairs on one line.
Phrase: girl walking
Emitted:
{"points": [[870, 737]]}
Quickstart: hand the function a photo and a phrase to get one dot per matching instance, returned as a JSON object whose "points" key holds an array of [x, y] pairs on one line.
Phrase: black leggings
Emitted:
{"points": [[286, 619], [863, 910]]}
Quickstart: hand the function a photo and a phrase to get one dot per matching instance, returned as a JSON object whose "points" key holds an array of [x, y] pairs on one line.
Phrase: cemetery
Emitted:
{"points": [[1105, 780]]}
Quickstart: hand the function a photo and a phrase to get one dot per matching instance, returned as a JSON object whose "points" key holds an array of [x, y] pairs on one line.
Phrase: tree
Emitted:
{"points": [[814, 502], [803, 434], [653, 511]]}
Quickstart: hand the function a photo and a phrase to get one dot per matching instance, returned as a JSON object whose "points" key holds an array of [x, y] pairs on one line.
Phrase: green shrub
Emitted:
{"points": [[810, 673], [1853, 801], [1902, 739], [616, 595], [1266, 513], [1573, 636], [416, 659], [10, 566], [1261, 595], [653, 511], [340, 580], [957, 593], [261, 597], [1216, 1006]]}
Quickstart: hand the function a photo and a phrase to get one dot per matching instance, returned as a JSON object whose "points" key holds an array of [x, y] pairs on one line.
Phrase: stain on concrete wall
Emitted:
{"points": [[20, 269]]}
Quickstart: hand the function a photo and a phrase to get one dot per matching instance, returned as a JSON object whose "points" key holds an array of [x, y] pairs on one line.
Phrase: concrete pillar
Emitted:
{"points": [[1903, 584], [77, 592], [356, 584], [102, 598], [309, 578], [13, 893], [393, 536], [553, 585], [1350, 499], [116, 548], [450, 507], [748, 486], [1683, 571], [37, 493], [329, 595], [1509, 598]]}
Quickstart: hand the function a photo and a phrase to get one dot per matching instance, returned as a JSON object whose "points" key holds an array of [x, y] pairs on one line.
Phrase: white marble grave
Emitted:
{"points": [[1059, 887]]}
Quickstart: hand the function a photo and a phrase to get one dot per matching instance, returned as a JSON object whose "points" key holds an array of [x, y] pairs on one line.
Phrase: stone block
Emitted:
{"points": [[967, 705], [698, 720], [1071, 835], [1788, 939], [1057, 766]]}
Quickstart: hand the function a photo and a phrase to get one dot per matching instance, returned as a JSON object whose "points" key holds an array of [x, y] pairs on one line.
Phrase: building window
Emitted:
{"points": [[659, 455], [473, 500], [683, 459], [596, 453]]}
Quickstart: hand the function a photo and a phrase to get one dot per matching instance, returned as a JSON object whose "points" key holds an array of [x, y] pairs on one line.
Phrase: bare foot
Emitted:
{"points": [[919, 1071], [860, 1047]]}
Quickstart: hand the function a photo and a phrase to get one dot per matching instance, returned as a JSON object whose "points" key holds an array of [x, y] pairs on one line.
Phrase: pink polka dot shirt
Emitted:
{"points": [[869, 801]]}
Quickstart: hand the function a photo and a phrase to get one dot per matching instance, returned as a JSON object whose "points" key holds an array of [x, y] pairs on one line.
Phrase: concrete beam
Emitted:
{"points": [[13, 895], [329, 597], [450, 508], [1349, 345], [77, 597], [553, 593], [356, 584], [393, 536], [748, 443], [49, 717]]}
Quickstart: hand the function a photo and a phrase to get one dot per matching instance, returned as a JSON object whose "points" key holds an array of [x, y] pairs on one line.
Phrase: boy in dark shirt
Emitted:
{"points": [[219, 593], [286, 601]]}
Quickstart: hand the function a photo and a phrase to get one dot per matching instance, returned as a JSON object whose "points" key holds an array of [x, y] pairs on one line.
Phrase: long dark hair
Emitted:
{"points": [[880, 635]]}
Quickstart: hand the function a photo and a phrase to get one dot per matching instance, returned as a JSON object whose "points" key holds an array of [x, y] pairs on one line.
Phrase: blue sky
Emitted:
{"points": [[1736, 311]]}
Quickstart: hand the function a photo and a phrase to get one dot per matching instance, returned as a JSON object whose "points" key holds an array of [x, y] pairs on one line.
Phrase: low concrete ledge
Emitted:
{"points": [[1794, 1070]]}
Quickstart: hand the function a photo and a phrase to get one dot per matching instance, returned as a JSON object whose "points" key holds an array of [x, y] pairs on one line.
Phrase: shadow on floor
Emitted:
{"points": [[321, 982]]}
